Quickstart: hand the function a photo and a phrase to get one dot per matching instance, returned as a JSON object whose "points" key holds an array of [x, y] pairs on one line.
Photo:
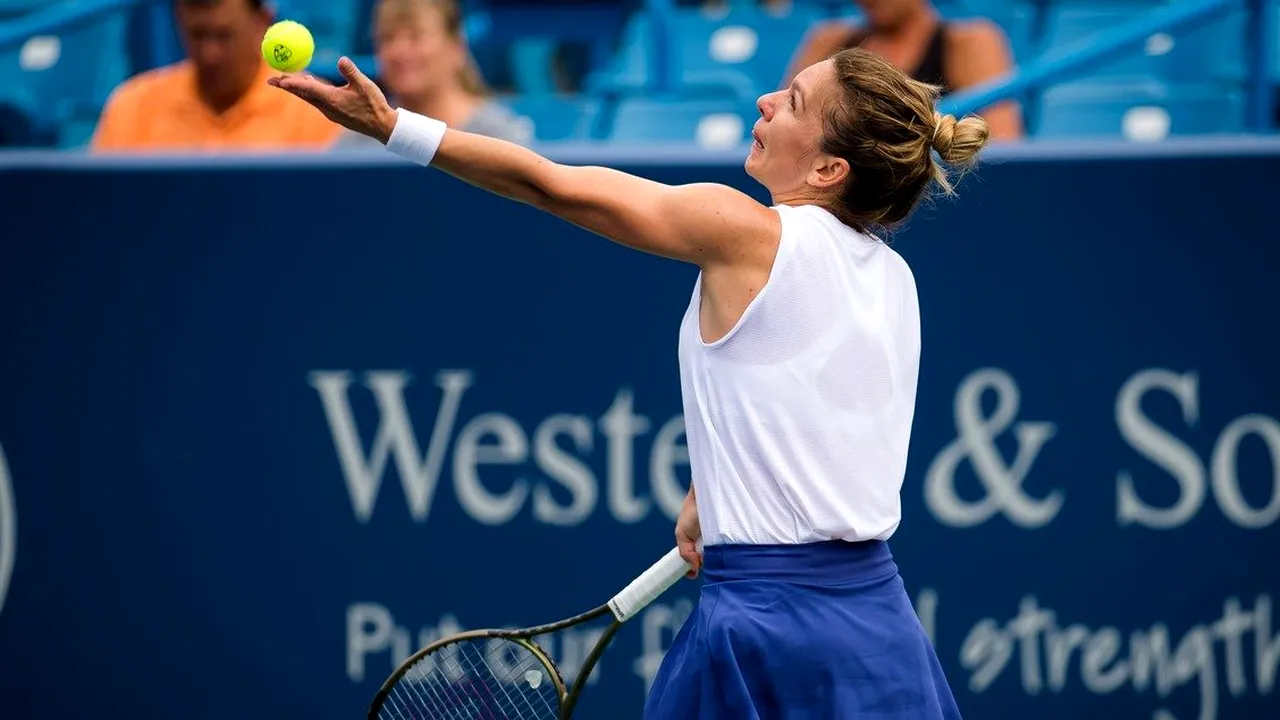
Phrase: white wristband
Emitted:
{"points": [[416, 137]]}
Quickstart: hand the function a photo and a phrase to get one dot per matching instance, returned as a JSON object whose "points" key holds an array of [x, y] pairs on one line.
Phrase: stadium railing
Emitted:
{"points": [[1075, 60]]}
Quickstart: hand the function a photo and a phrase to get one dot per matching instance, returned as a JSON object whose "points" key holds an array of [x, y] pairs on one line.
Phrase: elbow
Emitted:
{"points": [[530, 188], [540, 198], [552, 188]]}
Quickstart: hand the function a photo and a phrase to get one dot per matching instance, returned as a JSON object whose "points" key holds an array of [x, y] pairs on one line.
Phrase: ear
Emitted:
{"points": [[828, 171]]}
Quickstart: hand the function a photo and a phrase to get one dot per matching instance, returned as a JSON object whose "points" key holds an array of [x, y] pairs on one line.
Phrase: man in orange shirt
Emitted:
{"points": [[217, 99]]}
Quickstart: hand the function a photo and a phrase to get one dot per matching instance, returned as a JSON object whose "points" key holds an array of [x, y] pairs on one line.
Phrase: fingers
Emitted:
{"points": [[689, 553], [352, 73], [304, 86]]}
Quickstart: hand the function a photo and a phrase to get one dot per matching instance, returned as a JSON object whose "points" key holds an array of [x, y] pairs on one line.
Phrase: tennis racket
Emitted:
{"points": [[504, 674]]}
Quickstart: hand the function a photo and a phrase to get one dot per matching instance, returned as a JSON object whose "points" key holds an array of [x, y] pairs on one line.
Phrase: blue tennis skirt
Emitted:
{"points": [[822, 631]]}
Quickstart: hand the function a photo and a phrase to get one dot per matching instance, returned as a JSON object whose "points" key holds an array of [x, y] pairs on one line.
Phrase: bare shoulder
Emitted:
{"points": [[978, 50], [151, 84], [731, 220], [717, 193], [731, 204], [976, 34]]}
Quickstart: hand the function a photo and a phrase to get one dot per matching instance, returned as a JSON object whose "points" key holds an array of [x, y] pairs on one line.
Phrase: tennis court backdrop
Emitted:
{"points": [[269, 425]]}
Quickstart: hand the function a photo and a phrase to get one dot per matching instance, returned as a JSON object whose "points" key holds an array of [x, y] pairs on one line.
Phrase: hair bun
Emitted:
{"points": [[958, 142]]}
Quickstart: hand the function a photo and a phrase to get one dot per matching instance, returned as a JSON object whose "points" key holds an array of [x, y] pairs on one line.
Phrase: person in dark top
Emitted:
{"points": [[910, 34]]}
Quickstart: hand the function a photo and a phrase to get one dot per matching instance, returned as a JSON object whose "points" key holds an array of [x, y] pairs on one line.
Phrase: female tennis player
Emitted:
{"points": [[799, 355]]}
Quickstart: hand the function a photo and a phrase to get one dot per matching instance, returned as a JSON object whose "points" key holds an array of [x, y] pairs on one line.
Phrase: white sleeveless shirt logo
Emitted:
{"points": [[798, 421]]}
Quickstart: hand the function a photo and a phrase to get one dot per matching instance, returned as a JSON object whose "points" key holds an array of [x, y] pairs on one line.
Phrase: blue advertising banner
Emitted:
{"points": [[268, 426]]}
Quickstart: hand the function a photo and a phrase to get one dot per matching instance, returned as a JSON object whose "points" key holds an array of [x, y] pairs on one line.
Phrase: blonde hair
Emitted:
{"points": [[392, 13], [885, 125]]}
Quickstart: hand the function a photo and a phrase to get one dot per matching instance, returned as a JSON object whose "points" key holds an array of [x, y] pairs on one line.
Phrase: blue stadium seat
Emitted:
{"points": [[532, 62], [747, 49], [738, 54], [61, 81], [564, 38], [711, 54], [708, 123], [556, 118], [631, 68], [1210, 52], [1143, 111], [1273, 69]]}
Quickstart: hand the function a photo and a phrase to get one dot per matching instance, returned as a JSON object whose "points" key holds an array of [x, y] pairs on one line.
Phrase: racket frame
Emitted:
{"points": [[524, 637], [621, 607]]}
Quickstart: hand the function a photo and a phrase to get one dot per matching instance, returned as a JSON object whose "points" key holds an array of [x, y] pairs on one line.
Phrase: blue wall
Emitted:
{"points": [[268, 424]]}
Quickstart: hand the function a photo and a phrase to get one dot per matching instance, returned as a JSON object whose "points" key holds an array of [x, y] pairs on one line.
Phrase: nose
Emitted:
{"points": [[765, 104]]}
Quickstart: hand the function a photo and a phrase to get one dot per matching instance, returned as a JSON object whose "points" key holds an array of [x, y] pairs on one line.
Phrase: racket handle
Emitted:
{"points": [[651, 583]]}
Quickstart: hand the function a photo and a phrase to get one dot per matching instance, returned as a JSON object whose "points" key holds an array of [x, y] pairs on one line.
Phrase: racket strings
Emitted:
{"points": [[475, 679]]}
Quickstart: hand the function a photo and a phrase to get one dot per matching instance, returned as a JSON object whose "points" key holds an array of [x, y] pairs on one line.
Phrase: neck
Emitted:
{"points": [[452, 106], [800, 196], [221, 94]]}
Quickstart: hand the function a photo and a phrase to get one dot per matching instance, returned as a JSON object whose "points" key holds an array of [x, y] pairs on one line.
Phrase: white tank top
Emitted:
{"points": [[798, 420]]}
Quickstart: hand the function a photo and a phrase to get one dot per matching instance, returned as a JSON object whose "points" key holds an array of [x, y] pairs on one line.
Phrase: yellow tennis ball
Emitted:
{"points": [[288, 46]]}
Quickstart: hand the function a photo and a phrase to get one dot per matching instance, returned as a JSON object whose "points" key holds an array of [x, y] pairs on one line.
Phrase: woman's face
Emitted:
{"points": [[788, 136], [416, 55]]}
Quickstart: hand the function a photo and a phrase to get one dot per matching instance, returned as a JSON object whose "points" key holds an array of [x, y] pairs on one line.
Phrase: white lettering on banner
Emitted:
{"points": [[497, 439], [373, 633], [551, 469], [669, 452], [511, 448], [371, 630], [1161, 448], [976, 444], [1226, 482], [659, 625], [1231, 655], [1183, 464], [568, 469], [622, 426], [926, 607], [1046, 654], [8, 529]]}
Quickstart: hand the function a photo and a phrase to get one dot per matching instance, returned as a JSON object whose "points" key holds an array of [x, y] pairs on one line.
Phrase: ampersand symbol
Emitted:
{"points": [[975, 442]]}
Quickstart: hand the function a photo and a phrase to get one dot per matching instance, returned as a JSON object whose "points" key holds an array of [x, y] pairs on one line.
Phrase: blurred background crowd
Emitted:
{"points": [[130, 75]]}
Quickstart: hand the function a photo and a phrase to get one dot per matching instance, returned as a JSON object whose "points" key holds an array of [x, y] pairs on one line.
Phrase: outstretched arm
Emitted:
{"points": [[700, 223], [705, 224]]}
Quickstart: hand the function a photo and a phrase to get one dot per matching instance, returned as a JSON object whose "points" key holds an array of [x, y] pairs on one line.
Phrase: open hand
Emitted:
{"points": [[359, 105]]}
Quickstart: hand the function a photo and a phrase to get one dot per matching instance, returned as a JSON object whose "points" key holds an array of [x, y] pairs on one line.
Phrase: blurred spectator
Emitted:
{"points": [[910, 34], [424, 66], [216, 99]]}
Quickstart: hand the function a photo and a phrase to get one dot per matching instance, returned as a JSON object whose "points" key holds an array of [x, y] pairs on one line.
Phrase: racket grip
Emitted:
{"points": [[651, 583]]}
